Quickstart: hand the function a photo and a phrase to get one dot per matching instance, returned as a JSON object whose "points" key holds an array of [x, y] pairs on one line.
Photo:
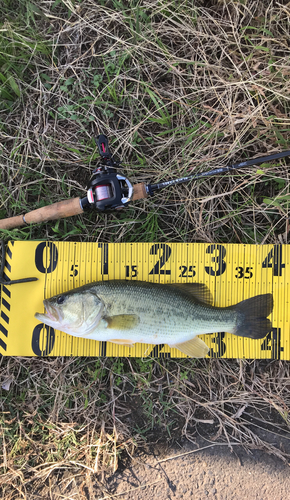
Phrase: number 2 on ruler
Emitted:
{"points": [[166, 252]]}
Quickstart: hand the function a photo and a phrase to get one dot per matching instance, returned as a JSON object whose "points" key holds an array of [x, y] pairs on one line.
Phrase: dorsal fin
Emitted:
{"points": [[198, 291]]}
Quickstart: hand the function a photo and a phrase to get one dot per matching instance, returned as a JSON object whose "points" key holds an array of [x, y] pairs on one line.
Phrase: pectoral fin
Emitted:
{"points": [[122, 321], [195, 348]]}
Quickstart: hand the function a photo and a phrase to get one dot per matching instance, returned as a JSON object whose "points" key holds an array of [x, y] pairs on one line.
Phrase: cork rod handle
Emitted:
{"points": [[139, 192], [59, 210]]}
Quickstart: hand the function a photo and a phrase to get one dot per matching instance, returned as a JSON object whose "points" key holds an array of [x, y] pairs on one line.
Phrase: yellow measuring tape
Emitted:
{"points": [[232, 273]]}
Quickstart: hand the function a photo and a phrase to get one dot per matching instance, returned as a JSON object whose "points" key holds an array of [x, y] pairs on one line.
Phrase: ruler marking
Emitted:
{"points": [[5, 304], [3, 345], [103, 349], [105, 258], [3, 330], [6, 291], [5, 317], [8, 266], [233, 273], [164, 355]]}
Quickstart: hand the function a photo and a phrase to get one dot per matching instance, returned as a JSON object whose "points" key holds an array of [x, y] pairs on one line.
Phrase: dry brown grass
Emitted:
{"points": [[66, 423]]}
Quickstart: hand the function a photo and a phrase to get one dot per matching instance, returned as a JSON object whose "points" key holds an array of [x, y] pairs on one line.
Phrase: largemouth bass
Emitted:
{"points": [[125, 312]]}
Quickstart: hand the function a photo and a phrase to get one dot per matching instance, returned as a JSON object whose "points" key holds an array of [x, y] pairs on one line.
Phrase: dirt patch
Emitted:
{"points": [[113, 426], [203, 471], [179, 469]]}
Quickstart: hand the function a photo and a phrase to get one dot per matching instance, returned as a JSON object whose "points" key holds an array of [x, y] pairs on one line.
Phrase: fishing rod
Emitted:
{"points": [[109, 190]]}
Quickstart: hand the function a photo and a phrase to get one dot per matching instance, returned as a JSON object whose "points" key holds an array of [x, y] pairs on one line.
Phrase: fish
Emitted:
{"points": [[125, 312]]}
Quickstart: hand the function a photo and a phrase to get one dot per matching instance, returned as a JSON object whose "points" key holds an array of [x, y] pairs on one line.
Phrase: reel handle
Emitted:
{"points": [[103, 146]]}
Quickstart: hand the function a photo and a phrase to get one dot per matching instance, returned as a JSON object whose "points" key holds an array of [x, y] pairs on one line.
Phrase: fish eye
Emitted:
{"points": [[60, 299]]}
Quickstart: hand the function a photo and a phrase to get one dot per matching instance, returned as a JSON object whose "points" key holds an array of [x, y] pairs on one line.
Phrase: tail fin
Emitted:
{"points": [[252, 319]]}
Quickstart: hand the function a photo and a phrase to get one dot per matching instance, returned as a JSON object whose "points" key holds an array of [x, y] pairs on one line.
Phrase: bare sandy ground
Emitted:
{"points": [[210, 472], [190, 471]]}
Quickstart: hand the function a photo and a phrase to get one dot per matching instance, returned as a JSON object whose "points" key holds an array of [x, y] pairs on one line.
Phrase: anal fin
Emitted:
{"points": [[195, 348], [128, 343]]}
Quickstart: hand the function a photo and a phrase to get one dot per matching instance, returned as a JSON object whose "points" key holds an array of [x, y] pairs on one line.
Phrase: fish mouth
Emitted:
{"points": [[52, 317]]}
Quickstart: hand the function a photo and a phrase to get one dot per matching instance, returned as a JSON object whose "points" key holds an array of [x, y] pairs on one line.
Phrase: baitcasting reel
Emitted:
{"points": [[107, 189]]}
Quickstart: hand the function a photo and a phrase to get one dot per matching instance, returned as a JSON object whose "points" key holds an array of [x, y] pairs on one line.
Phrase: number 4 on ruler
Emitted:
{"points": [[273, 343], [274, 260]]}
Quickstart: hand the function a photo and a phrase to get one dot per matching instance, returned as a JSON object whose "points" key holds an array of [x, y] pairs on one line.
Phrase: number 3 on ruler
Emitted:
{"points": [[220, 253]]}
